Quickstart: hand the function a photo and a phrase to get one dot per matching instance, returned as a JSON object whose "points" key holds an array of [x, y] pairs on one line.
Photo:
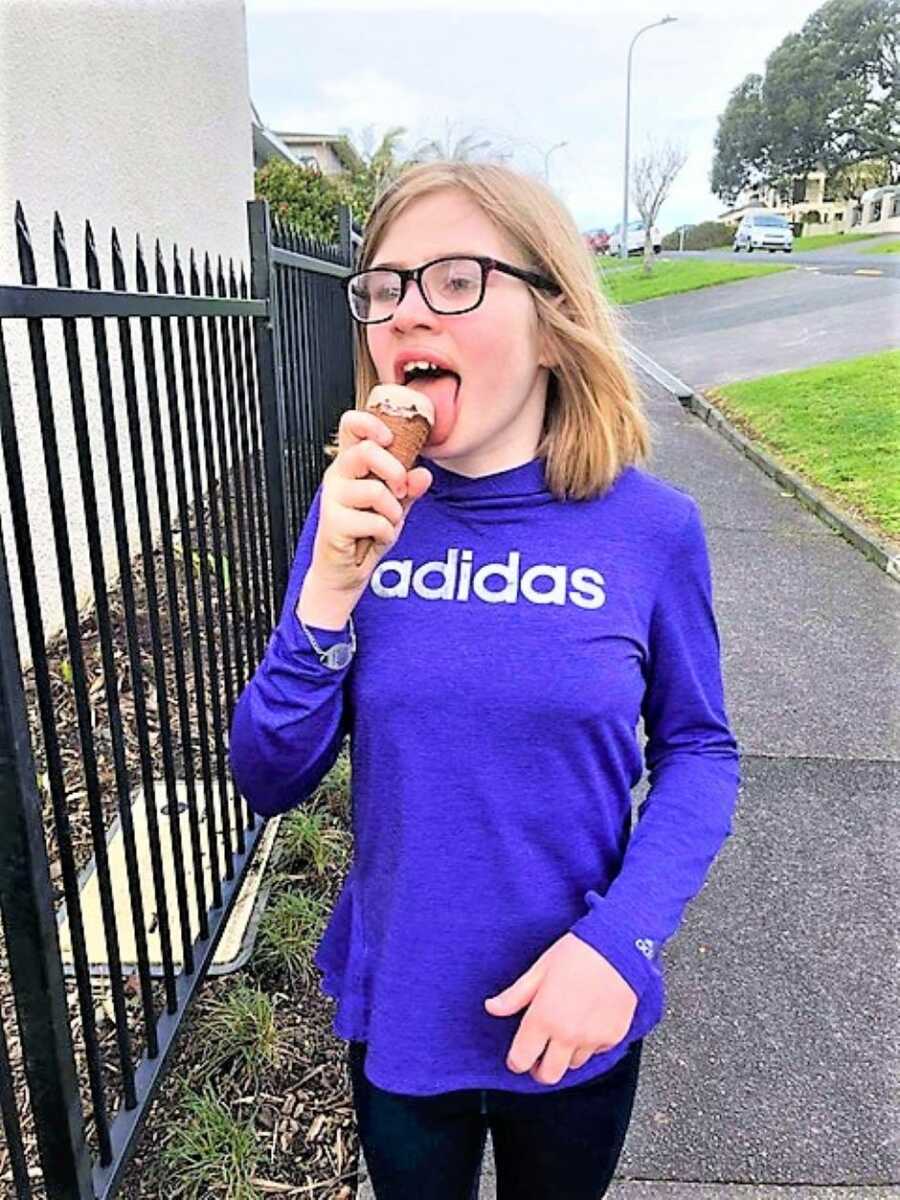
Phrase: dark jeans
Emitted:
{"points": [[562, 1145]]}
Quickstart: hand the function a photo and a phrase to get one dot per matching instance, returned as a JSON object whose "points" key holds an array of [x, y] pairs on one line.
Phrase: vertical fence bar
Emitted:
{"points": [[202, 562], [271, 397], [240, 376], [32, 944]]}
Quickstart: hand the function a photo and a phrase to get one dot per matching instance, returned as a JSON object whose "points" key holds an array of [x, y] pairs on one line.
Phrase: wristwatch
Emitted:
{"points": [[337, 656]]}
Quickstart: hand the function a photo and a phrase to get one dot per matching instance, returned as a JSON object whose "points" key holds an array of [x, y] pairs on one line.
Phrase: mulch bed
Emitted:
{"points": [[302, 1111]]}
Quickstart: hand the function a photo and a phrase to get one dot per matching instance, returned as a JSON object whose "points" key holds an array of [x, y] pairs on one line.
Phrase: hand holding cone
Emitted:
{"points": [[410, 416]]}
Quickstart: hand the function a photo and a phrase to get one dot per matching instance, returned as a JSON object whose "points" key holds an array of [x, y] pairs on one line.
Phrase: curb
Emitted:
{"points": [[697, 404]]}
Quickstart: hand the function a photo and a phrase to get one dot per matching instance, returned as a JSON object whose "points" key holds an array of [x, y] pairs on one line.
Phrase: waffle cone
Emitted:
{"points": [[410, 435]]}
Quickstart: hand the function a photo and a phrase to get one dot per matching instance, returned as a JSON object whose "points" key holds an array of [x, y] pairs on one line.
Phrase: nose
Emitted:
{"points": [[412, 307]]}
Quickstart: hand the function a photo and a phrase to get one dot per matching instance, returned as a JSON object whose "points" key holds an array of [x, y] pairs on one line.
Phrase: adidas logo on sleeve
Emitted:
{"points": [[455, 578]]}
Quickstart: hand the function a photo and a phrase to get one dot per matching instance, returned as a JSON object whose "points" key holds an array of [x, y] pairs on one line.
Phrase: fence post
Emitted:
{"points": [[32, 941], [263, 286], [345, 224]]}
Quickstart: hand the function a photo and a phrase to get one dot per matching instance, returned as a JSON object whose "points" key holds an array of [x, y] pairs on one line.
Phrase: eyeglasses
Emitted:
{"points": [[448, 285]]}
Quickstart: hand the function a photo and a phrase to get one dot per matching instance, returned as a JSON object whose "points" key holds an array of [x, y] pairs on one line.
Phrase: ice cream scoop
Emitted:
{"points": [[409, 415]]}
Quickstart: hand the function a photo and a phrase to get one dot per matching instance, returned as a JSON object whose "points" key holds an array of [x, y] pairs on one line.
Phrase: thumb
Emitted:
{"points": [[418, 481], [511, 999]]}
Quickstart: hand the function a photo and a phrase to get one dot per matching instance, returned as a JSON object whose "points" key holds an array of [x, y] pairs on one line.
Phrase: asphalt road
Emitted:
{"points": [[779, 322], [833, 260]]}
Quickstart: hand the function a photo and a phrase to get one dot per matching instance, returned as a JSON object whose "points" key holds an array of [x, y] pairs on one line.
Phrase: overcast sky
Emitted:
{"points": [[524, 76]]}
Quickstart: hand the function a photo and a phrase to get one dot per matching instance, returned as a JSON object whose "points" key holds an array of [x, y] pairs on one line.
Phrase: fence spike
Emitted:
{"points": [[232, 281], [220, 278], [60, 253], [194, 277], [140, 267], [207, 275], [243, 283], [23, 242], [177, 273], [90, 257], [118, 263], [161, 286]]}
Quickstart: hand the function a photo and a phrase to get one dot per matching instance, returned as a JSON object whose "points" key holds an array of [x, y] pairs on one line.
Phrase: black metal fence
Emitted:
{"points": [[196, 413]]}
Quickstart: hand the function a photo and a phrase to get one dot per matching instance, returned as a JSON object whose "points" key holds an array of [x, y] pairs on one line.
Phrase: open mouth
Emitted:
{"points": [[442, 388]]}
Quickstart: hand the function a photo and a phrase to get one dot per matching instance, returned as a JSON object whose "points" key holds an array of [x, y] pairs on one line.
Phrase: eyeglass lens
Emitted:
{"points": [[451, 285]]}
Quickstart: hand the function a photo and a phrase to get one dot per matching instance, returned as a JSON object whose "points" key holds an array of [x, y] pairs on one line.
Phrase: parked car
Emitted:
{"points": [[596, 240], [635, 238], [763, 231]]}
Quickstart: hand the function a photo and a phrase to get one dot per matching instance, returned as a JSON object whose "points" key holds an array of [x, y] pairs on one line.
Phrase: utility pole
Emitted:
{"points": [[623, 241]]}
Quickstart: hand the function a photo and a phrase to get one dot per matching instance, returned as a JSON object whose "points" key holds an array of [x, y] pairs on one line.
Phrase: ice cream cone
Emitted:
{"points": [[410, 417]]}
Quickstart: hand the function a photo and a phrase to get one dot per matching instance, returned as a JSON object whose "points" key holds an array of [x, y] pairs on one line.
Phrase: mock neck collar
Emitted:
{"points": [[524, 480]]}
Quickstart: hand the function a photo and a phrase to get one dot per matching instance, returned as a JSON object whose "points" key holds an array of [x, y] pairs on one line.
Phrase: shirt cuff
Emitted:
{"points": [[292, 640], [632, 956]]}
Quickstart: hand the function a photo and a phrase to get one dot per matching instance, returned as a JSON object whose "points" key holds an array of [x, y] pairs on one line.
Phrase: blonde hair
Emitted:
{"points": [[594, 422]]}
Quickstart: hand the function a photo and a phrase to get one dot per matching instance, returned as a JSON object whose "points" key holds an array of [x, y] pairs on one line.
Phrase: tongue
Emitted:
{"points": [[442, 391]]}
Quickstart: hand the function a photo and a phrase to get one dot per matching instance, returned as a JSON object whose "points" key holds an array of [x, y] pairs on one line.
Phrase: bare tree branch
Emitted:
{"points": [[652, 177]]}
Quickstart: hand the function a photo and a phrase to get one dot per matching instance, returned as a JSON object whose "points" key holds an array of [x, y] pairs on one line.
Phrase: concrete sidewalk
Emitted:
{"points": [[774, 1075]]}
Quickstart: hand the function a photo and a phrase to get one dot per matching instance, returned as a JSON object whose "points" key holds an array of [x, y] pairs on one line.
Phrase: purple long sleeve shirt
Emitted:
{"points": [[507, 645]]}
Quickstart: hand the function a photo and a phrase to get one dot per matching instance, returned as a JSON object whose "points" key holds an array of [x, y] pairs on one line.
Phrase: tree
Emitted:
{"points": [[652, 177], [360, 186], [741, 155], [464, 150], [829, 99], [310, 200]]}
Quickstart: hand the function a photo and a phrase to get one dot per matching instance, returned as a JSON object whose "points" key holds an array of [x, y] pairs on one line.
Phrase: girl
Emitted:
{"points": [[532, 593]]}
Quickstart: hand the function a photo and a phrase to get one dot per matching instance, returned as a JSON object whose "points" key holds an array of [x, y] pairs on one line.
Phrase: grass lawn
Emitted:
{"points": [[626, 283], [884, 248], [830, 239], [836, 425]]}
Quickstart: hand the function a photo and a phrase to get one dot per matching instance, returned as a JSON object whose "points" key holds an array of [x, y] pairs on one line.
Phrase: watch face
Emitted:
{"points": [[339, 655]]}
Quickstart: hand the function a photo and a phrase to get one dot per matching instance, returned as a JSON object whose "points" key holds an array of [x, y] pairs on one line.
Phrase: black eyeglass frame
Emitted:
{"points": [[407, 273]]}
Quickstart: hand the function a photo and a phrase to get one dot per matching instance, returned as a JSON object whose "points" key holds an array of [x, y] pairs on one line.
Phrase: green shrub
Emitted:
{"points": [[706, 236], [306, 199]]}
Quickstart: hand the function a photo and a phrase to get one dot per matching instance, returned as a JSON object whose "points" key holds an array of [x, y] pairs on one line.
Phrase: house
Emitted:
{"points": [[819, 210], [327, 152], [133, 116], [266, 143], [808, 195]]}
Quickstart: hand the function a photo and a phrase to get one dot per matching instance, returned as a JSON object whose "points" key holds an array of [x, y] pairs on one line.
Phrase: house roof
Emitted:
{"points": [[338, 142], [876, 193]]}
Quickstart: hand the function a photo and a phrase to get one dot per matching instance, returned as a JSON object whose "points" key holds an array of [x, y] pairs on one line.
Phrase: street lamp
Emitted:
{"points": [[558, 146], [623, 240]]}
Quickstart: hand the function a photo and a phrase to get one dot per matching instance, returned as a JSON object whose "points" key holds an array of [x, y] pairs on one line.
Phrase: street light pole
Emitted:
{"points": [[558, 146], [623, 239]]}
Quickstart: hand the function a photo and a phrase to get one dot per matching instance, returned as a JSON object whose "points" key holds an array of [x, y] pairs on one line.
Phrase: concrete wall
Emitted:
{"points": [[133, 113]]}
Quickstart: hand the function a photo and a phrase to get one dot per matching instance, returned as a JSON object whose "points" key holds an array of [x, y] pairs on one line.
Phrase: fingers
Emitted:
{"points": [[356, 425], [366, 457]]}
